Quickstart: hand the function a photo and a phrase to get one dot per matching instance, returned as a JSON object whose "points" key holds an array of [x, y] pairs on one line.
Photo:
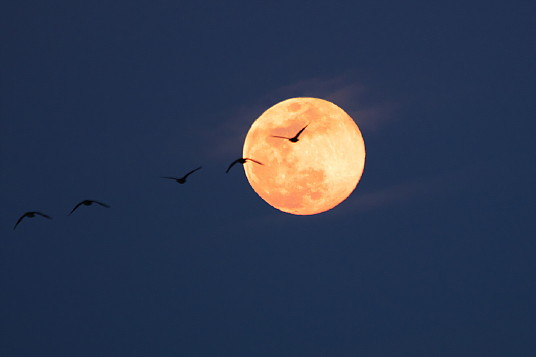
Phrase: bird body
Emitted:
{"points": [[182, 180], [30, 214], [242, 161], [88, 203], [295, 138]]}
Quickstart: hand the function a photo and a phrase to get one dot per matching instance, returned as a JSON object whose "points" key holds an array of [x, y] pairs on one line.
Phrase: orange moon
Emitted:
{"points": [[317, 172]]}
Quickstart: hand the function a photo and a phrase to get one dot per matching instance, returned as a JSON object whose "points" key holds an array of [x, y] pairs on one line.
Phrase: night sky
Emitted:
{"points": [[433, 254]]}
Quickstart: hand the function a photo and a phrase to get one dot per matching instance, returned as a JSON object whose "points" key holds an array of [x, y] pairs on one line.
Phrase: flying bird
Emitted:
{"points": [[88, 203], [30, 215], [294, 138], [182, 180], [242, 161]]}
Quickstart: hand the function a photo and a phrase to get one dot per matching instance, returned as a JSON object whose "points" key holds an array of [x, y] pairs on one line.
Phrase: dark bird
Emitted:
{"points": [[88, 203], [30, 215], [181, 180], [294, 138], [242, 161]]}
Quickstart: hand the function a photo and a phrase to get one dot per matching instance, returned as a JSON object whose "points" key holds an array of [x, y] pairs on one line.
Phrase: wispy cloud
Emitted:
{"points": [[388, 196], [419, 188], [227, 139], [368, 109], [434, 187], [359, 202]]}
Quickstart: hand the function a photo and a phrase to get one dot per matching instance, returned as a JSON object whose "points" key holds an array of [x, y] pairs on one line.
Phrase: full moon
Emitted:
{"points": [[313, 174]]}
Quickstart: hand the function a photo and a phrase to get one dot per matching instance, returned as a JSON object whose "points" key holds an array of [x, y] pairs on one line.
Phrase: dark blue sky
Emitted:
{"points": [[432, 255]]}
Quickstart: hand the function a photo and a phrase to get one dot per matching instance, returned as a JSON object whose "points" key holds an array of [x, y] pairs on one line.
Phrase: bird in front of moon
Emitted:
{"points": [[242, 161], [294, 139], [88, 203], [30, 214], [181, 180], [311, 176]]}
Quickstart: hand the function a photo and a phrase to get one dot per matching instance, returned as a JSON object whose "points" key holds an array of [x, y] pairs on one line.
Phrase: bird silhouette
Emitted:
{"points": [[242, 161], [181, 180], [30, 214], [88, 203], [294, 138]]}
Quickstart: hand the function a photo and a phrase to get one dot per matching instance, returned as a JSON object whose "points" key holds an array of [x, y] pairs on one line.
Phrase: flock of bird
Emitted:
{"points": [[32, 214], [181, 180]]}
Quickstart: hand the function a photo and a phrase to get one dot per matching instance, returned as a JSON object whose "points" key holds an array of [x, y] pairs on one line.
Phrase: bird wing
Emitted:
{"points": [[171, 178], [102, 204], [191, 172], [20, 219], [255, 161], [299, 132], [232, 164], [75, 207], [43, 215], [282, 137]]}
